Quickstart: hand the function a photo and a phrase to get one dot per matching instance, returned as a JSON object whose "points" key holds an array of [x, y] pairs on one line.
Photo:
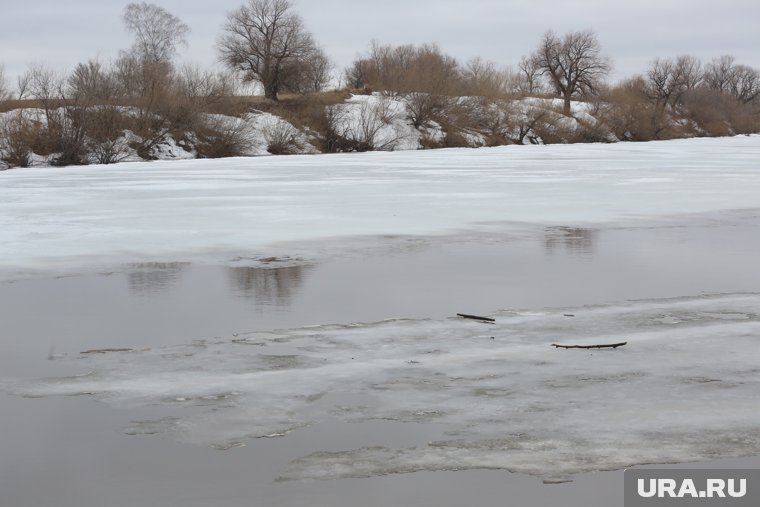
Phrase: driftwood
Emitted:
{"points": [[602, 346], [476, 317]]}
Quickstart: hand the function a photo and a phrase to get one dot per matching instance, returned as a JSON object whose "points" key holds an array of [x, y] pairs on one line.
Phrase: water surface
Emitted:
{"points": [[73, 451]]}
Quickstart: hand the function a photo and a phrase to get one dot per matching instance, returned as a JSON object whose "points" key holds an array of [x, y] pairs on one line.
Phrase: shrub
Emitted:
{"points": [[220, 137], [717, 113], [67, 130], [422, 108], [280, 137], [105, 130], [363, 131], [16, 133]]}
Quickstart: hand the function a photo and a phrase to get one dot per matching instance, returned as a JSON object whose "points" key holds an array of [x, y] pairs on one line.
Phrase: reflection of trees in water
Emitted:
{"points": [[267, 286], [151, 277], [575, 240]]}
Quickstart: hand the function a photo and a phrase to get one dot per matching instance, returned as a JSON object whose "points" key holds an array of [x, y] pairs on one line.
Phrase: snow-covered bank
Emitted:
{"points": [[96, 216], [374, 122]]}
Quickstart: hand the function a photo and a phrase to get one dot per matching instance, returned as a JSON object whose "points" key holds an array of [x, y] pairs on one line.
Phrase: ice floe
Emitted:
{"points": [[684, 388]]}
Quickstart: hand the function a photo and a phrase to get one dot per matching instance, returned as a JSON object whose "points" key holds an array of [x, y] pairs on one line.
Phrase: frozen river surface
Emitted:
{"points": [[295, 316], [262, 207], [684, 388]]}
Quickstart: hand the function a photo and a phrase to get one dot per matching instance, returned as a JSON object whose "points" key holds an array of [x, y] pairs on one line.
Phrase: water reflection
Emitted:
{"points": [[574, 240], [268, 286], [152, 277]]}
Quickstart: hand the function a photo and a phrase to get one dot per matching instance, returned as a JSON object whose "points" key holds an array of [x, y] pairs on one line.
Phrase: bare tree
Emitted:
{"points": [[627, 110], [426, 77], [5, 93], [690, 68], [719, 73], [384, 67], [528, 82], [91, 83], [573, 64], [60, 132], [738, 81], [308, 74], [22, 85], [380, 67], [45, 85], [152, 89], [205, 87], [145, 74], [669, 79], [746, 88], [429, 82], [318, 70], [483, 79], [158, 33], [432, 71], [356, 75], [265, 41], [141, 80]]}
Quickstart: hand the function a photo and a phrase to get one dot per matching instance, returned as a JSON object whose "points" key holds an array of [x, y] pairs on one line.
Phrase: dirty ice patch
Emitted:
{"points": [[684, 387]]}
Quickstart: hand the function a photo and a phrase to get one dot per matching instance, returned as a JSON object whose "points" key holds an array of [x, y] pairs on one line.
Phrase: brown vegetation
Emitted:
{"points": [[104, 112]]}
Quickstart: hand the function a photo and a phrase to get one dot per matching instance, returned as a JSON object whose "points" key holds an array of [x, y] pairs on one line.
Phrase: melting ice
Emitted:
{"points": [[54, 219], [684, 387]]}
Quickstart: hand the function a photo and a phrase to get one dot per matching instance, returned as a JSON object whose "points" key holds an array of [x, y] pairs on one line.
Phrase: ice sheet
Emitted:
{"points": [[684, 387], [58, 219]]}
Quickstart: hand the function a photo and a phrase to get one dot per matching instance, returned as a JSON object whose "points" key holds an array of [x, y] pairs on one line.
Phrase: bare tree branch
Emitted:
{"points": [[5, 93]]}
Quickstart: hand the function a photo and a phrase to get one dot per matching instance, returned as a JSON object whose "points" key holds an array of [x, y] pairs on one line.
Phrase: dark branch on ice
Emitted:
{"points": [[602, 346]]}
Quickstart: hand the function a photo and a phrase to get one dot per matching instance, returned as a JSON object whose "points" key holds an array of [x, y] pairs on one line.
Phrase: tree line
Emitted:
{"points": [[96, 111]]}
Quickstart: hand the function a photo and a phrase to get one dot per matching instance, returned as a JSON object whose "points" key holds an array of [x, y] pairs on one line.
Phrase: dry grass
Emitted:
{"points": [[289, 106], [10, 105]]}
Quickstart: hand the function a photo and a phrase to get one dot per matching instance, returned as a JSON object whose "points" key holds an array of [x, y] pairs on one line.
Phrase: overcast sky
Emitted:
{"points": [[62, 33]]}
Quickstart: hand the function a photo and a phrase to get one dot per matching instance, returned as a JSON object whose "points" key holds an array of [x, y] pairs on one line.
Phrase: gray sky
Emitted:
{"points": [[62, 33]]}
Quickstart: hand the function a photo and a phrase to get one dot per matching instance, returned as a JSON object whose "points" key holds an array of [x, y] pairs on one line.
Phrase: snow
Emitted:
{"points": [[257, 128], [269, 128], [260, 129], [497, 395], [683, 389], [55, 220], [168, 149], [379, 120]]}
